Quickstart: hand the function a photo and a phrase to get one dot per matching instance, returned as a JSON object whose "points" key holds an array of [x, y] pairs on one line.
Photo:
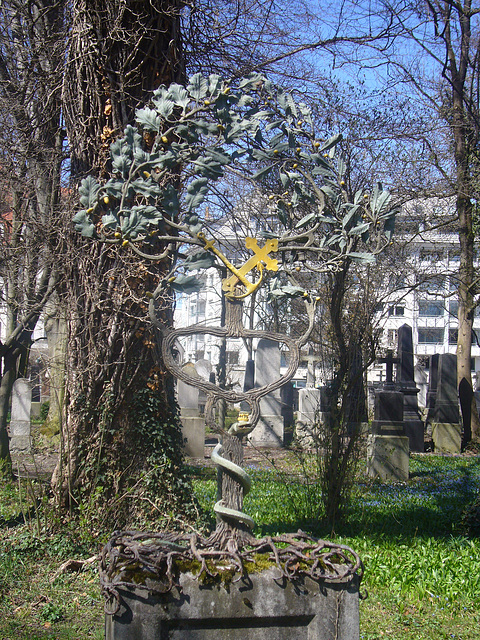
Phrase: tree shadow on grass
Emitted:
{"points": [[430, 505]]}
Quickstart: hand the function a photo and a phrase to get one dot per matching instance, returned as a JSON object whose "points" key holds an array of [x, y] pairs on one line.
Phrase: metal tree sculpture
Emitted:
{"points": [[162, 172], [233, 523]]}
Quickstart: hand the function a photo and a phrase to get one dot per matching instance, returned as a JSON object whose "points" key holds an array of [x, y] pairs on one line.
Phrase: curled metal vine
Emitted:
{"points": [[233, 329], [153, 562]]}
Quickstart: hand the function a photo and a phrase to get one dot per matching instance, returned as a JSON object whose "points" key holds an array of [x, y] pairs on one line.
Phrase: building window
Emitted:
{"points": [[454, 255], [430, 335], [232, 357], [396, 311], [431, 255], [432, 284], [430, 308], [392, 336], [452, 336], [453, 308]]}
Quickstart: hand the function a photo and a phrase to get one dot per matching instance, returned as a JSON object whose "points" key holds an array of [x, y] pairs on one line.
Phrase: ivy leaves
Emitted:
{"points": [[184, 141]]}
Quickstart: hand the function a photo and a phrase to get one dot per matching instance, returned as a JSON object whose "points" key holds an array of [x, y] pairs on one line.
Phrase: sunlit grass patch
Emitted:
{"points": [[422, 574]]}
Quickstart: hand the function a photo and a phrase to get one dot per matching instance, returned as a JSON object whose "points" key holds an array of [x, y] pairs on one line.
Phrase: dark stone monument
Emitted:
{"points": [[414, 428], [356, 401], [248, 382], [286, 398], [432, 387], [388, 412], [446, 428], [249, 379], [388, 446]]}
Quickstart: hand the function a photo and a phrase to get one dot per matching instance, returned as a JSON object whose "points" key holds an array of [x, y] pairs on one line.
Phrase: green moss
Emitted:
{"points": [[51, 427]]}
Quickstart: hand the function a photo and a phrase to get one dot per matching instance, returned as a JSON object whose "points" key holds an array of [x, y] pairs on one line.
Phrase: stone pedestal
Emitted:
{"points": [[193, 430], [447, 437], [258, 607], [387, 457]]}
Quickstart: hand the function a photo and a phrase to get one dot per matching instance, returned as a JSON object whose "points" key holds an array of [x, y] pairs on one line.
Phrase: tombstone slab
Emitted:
{"points": [[258, 607], [387, 457], [193, 425], [269, 431], [286, 397], [447, 412], [447, 437], [414, 427], [388, 417], [20, 427]]}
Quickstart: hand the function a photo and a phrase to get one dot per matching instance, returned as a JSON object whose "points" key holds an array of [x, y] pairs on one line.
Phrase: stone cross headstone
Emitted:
{"points": [[193, 425], [414, 428], [20, 428], [389, 361], [269, 430], [446, 427]]}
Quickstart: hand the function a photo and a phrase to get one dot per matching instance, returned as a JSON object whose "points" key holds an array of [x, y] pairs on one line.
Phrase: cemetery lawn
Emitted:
{"points": [[422, 575]]}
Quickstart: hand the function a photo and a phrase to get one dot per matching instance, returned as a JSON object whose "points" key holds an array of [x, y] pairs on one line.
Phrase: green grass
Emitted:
{"points": [[422, 575], [35, 603]]}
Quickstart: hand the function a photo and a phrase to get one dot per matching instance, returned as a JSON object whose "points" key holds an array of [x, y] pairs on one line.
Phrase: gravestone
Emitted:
{"points": [[260, 606], [388, 446], [421, 380], [414, 428], [314, 410], [249, 379], [356, 401], [193, 425], [269, 430], [248, 382], [20, 429], [286, 397], [204, 369], [432, 387], [446, 427]]}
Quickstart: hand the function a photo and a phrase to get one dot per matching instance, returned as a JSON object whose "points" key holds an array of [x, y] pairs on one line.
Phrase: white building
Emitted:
{"points": [[424, 285], [421, 292]]}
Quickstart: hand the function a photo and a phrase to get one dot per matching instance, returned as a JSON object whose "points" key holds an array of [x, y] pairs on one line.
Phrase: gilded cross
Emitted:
{"points": [[260, 260]]}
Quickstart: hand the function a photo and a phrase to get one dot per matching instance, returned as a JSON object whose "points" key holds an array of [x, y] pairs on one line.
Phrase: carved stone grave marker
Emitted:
{"points": [[414, 428], [269, 430], [446, 427], [20, 428], [388, 446], [193, 425]]}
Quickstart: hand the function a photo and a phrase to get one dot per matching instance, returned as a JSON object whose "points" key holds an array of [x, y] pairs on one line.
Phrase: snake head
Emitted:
{"points": [[241, 429]]}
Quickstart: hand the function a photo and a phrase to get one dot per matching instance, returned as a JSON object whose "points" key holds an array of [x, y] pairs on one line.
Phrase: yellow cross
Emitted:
{"points": [[258, 260]]}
